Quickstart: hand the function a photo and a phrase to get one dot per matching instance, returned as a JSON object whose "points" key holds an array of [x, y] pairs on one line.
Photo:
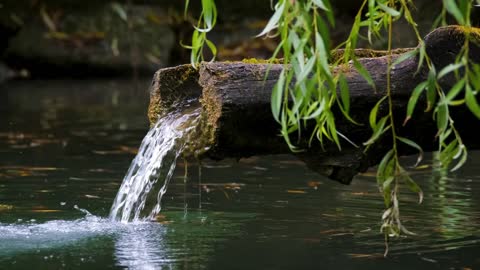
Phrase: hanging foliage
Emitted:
{"points": [[308, 90]]}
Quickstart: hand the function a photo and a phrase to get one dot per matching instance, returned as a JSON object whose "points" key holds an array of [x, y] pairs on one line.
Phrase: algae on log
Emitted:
{"points": [[237, 120]]}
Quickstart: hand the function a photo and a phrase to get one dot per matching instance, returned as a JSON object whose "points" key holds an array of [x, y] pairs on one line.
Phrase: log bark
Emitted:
{"points": [[238, 122]]}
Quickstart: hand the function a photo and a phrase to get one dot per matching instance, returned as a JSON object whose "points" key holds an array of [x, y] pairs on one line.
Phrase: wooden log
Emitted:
{"points": [[237, 120]]}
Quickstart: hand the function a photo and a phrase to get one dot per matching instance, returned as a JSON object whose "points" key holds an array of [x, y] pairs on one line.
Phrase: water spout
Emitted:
{"points": [[156, 160]]}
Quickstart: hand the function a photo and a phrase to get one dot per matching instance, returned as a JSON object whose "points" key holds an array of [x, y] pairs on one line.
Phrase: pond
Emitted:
{"points": [[66, 145]]}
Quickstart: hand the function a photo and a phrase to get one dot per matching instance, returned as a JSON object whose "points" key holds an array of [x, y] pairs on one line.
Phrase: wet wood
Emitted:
{"points": [[238, 121]]}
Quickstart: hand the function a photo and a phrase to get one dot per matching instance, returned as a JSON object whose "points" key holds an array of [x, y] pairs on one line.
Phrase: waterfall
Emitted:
{"points": [[156, 160]]}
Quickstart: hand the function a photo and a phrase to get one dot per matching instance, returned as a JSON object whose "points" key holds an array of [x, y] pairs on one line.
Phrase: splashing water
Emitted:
{"points": [[156, 159]]}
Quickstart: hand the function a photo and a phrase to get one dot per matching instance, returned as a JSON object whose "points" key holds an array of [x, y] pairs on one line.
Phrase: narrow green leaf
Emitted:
{"points": [[413, 100], [320, 4], [441, 114], [185, 11], [365, 74], [322, 54], [277, 96], [414, 145], [381, 168], [471, 101], [120, 11], [306, 69], [431, 90], [453, 9], [332, 128], [212, 48], [475, 79], [373, 113], [449, 68], [387, 213], [422, 56], [318, 111], [392, 12], [209, 14], [273, 22], [413, 186], [388, 181], [379, 130], [462, 151], [453, 92], [344, 93], [405, 57]]}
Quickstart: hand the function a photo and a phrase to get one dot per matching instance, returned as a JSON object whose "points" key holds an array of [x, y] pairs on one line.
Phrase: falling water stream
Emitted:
{"points": [[156, 160]]}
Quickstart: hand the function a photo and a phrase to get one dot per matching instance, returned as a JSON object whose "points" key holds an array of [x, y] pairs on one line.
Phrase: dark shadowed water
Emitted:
{"points": [[65, 147]]}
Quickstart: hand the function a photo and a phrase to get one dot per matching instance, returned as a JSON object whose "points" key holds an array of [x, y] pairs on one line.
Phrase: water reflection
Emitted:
{"points": [[257, 213], [142, 246]]}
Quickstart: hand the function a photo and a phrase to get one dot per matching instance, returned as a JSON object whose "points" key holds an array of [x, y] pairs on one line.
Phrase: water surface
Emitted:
{"points": [[65, 147]]}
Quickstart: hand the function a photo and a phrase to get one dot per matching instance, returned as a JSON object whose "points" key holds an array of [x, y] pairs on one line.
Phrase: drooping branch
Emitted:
{"points": [[237, 120]]}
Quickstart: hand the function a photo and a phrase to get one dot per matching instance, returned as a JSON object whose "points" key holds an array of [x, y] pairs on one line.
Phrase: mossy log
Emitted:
{"points": [[237, 120]]}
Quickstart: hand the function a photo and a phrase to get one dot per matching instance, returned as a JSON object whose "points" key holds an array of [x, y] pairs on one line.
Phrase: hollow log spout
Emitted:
{"points": [[237, 120]]}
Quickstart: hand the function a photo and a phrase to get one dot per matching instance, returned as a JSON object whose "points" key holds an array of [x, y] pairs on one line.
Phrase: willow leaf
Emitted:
{"points": [[392, 12], [212, 48], [453, 92], [462, 151], [472, 103], [441, 114], [273, 22], [344, 93], [378, 130], [414, 145], [431, 90], [453, 9], [277, 96], [373, 113], [405, 57], [320, 4], [412, 185], [449, 68], [381, 167], [365, 74], [412, 101]]}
